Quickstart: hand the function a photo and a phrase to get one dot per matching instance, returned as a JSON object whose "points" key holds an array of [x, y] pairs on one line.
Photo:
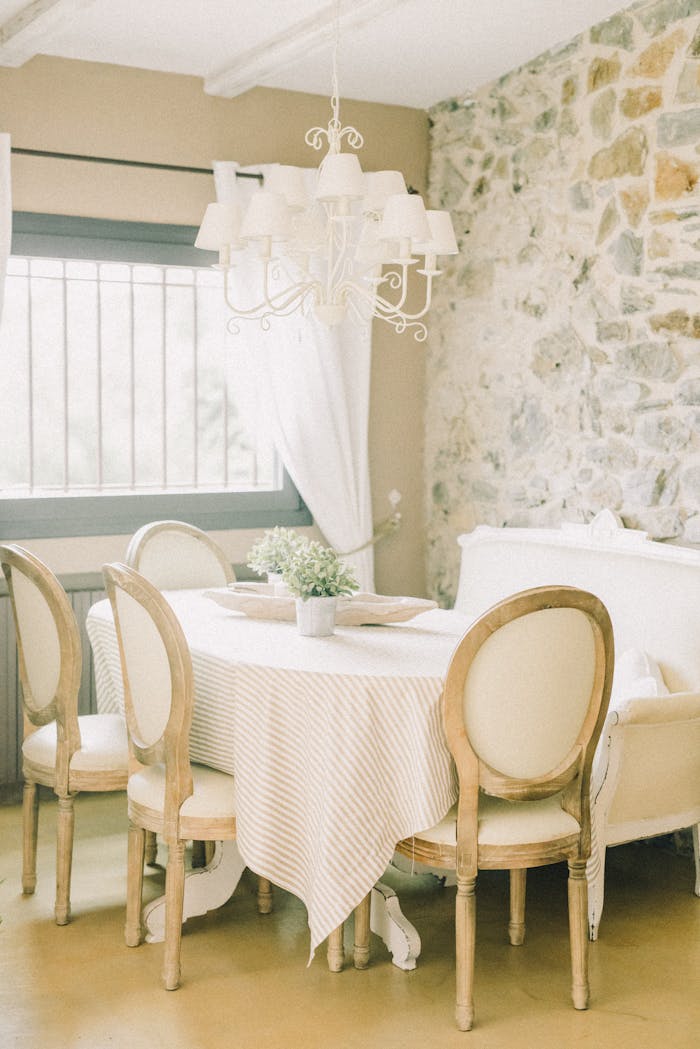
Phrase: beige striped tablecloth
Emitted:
{"points": [[336, 743]]}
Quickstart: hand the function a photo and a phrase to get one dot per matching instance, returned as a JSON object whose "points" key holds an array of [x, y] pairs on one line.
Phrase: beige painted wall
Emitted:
{"points": [[101, 110]]}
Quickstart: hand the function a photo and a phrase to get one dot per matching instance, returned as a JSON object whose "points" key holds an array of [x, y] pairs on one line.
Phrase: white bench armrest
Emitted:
{"points": [[680, 706]]}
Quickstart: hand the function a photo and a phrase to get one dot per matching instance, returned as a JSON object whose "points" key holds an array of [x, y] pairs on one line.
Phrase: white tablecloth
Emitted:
{"points": [[336, 743]]}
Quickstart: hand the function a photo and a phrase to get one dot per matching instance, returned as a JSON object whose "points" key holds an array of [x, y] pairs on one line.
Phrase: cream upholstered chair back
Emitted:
{"points": [[174, 555], [48, 641], [528, 690], [526, 695], [157, 676]]}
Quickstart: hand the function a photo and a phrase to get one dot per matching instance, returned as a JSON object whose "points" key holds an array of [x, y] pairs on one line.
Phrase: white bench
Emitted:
{"points": [[646, 776]]}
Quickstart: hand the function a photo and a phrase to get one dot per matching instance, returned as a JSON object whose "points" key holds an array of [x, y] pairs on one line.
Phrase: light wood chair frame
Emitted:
{"points": [[571, 777], [172, 750], [63, 709], [145, 534]]}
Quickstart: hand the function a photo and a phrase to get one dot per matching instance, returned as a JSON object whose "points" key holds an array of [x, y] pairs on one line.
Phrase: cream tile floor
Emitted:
{"points": [[246, 984]]}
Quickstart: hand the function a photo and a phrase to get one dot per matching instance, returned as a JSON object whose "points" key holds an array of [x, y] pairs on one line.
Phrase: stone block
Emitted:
{"points": [[674, 177], [625, 156], [689, 392], [688, 89], [656, 17], [664, 433], [655, 60], [616, 31], [648, 360], [603, 71], [602, 113], [679, 321], [678, 129], [635, 201], [627, 253], [640, 100]]}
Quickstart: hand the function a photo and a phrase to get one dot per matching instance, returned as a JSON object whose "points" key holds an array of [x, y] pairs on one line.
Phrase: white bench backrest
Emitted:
{"points": [[651, 589]]}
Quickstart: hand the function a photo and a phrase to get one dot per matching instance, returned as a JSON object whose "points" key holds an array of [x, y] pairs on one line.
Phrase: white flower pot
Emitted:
{"points": [[316, 616]]}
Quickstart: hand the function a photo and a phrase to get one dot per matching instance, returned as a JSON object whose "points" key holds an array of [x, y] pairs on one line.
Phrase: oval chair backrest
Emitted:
{"points": [[147, 670], [174, 555], [156, 667], [528, 690], [531, 681], [47, 637]]}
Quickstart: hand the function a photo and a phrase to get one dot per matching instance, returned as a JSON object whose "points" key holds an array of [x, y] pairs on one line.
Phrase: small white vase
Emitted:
{"points": [[279, 587], [316, 616]]}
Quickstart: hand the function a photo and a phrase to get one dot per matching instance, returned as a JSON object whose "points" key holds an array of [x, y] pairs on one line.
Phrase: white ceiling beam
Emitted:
{"points": [[279, 52], [22, 36]]}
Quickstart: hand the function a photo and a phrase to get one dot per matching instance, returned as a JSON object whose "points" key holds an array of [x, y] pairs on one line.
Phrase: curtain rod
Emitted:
{"points": [[126, 163]]}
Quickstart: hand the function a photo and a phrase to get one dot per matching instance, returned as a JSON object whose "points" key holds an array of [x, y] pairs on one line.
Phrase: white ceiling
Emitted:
{"points": [[403, 52]]}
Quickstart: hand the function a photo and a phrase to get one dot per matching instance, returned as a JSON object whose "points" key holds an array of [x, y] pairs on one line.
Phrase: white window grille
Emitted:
{"points": [[120, 379]]}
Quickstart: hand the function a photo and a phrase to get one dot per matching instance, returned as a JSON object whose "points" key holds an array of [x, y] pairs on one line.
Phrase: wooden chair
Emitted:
{"points": [[61, 750], [524, 702], [174, 555], [166, 794]]}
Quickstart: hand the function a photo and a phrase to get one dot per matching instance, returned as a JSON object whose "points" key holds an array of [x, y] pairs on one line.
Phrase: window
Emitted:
{"points": [[125, 400]]}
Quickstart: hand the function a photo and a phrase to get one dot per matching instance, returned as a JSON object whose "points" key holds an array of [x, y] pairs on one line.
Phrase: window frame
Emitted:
{"points": [[39, 517]]}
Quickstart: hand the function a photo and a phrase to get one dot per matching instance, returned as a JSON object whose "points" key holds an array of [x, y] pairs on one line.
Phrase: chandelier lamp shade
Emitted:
{"points": [[345, 249]]}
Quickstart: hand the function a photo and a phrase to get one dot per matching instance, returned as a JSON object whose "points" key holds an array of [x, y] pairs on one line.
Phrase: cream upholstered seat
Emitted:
{"points": [[61, 750], [165, 793], [524, 703], [174, 555]]}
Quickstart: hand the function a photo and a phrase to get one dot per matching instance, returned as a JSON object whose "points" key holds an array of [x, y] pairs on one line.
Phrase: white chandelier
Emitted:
{"points": [[329, 252]]}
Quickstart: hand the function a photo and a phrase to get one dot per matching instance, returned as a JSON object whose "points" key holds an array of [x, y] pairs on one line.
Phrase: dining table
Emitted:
{"points": [[336, 745]]}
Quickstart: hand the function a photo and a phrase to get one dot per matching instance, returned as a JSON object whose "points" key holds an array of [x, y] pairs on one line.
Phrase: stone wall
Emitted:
{"points": [[563, 370]]}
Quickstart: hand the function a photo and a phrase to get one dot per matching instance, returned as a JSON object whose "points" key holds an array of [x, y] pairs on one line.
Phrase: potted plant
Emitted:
{"points": [[271, 552], [317, 577]]}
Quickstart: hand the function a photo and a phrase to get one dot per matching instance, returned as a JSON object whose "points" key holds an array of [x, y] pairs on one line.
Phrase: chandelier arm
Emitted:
{"points": [[397, 280], [285, 309], [349, 287], [293, 302], [384, 310], [271, 304], [426, 305]]}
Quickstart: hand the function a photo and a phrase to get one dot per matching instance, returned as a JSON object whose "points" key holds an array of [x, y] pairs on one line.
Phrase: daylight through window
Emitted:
{"points": [[122, 381]]}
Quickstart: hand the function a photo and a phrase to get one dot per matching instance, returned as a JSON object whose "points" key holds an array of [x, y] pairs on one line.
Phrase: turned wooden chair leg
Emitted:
{"points": [[151, 850], [362, 931], [174, 901], [336, 952], [136, 848], [30, 829], [264, 896], [465, 927], [64, 858], [578, 916], [516, 926]]}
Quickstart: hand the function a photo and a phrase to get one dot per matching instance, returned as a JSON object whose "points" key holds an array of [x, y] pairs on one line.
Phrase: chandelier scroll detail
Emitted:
{"points": [[346, 249]]}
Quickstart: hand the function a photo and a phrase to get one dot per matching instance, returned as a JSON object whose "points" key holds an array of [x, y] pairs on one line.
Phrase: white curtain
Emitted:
{"points": [[5, 211], [314, 387]]}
